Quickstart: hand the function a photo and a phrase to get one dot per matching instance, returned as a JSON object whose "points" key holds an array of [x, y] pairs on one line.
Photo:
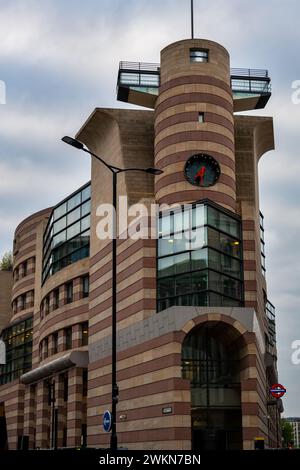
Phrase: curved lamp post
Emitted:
{"points": [[115, 171]]}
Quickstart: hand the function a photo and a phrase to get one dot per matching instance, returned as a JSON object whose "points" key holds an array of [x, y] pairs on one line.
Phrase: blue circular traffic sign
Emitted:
{"points": [[107, 421]]}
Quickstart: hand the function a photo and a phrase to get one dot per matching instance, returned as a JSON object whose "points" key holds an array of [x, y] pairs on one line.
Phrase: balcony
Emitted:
{"points": [[251, 88], [138, 83]]}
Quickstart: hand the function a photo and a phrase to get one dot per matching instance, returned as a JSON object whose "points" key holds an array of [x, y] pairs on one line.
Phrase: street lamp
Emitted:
{"points": [[115, 171]]}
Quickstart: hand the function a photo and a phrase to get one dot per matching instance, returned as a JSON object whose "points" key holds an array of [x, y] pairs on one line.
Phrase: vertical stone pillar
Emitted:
{"points": [[50, 345], [31, 266], [74, 415], [76, 336], [42, 416], [61, 341], [21, 271], [62, 296], [30, 299], [77, 288], [30, 414], [60, 405]]}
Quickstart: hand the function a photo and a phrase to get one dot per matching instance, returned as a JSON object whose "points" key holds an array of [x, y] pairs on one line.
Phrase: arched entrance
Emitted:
{"points": [[210, 360]]}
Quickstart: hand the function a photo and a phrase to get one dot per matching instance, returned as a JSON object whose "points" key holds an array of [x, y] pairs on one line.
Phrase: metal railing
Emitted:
{"points": [[143, 66], [251, 73], [145, 74], [250, 85]]}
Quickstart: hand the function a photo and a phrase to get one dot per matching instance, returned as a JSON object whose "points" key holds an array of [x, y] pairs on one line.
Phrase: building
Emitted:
{"points": [[295, 423], [196, 331]]}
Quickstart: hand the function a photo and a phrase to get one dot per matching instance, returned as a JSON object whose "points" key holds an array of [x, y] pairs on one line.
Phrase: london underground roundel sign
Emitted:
{"points": [[277, 391], [107, 421]]}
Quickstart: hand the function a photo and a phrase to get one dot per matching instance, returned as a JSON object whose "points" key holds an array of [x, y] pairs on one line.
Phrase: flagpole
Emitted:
{"points": [[192, 18]]}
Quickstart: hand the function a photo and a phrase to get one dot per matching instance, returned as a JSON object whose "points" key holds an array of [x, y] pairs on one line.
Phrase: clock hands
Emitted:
{"points": [[200, 175]]}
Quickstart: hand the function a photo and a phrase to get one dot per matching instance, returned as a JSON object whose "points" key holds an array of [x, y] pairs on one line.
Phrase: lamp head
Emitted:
{"points": [[75, 143]]}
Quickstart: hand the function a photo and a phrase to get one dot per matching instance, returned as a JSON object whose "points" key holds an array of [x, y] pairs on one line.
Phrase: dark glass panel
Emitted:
{"points": [[183, 284], [166, 287], [199, 259]]}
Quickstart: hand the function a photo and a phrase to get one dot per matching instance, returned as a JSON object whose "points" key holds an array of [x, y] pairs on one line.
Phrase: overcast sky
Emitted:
{"points": [[59, 60]]}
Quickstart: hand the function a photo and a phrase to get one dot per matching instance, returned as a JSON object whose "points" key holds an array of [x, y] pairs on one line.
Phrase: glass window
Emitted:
{"points": [[174, 265], [166, 287], [46, 305], [69, 292], [199, 259], [229, 225], [73, 216], [85, 208], [199, 215], [165, 225], [199, 281], [74, 201], [231, 266], [23, 301], [168, 246], [86, 193], [55, 299], [68, 338], [85, 286], [46, 347], [223, 242], [200, 266], [85, 223], [59, 239], [73, 230], [182, 263], [84, 333], [198, 55], [166, 266], [64, 225], [59, 225], [25, 268], [60, 211], [198, 238], [201, 117], [182, 220], [183, 284], [55, 342], [221, 221]]}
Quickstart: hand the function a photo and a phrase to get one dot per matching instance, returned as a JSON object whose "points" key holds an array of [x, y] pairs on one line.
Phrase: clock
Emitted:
{"points": [[202, 170]]}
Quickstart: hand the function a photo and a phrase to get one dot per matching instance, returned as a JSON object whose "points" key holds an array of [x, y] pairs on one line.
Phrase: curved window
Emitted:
{"points": [[18, 342], [199, 258], [67, 235]]}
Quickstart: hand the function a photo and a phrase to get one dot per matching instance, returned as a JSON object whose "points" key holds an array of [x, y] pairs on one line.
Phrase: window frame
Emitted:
{"points": [[202, 58]]}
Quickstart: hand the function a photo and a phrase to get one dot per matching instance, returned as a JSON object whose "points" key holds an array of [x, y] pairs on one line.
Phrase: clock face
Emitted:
{"points": [[202, 170]]}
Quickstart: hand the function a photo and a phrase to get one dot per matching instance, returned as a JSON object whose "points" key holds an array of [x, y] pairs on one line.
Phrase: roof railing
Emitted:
{"points": [[145, 74], [139, 66]]}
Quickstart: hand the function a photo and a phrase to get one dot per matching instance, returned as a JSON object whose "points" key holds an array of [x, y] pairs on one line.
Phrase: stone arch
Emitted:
{"points": [[233, 332]]}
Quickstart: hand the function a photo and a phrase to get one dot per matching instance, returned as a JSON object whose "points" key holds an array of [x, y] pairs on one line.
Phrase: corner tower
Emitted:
{"points": [[194, 129]]}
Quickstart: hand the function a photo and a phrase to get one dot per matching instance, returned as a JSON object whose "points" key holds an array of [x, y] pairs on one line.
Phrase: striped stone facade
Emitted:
{"points": [[69, 386]]}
